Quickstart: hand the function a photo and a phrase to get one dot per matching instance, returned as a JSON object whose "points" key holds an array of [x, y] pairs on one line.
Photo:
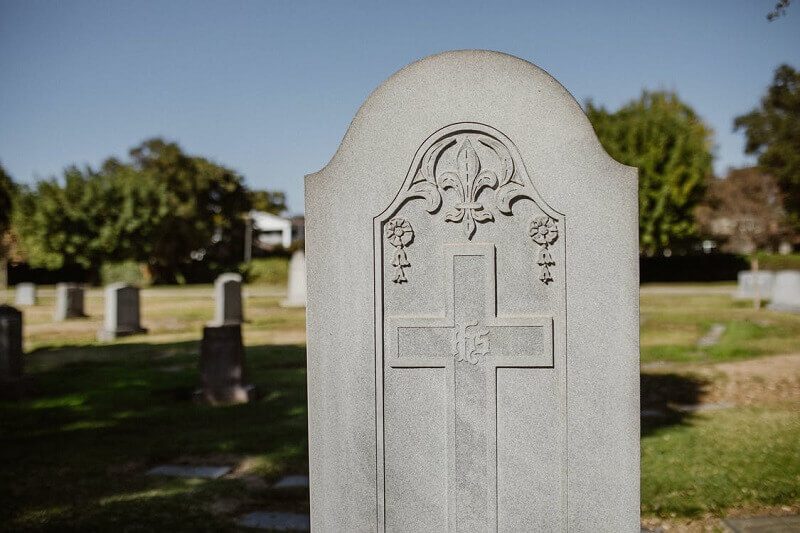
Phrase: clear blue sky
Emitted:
{"points": [[269, 88]]}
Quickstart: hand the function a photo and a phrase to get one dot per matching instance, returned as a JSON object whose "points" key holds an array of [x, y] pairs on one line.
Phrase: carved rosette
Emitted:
{"points": [[544, 232], [399, 233]]}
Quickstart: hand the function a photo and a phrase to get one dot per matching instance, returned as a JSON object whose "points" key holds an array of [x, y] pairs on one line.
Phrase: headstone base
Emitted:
{"points": [[106, 336], [228, 396]]}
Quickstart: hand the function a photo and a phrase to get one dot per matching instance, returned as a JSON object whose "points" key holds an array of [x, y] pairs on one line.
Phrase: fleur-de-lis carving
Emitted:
{"points": [[468, 177], [468, 182]]}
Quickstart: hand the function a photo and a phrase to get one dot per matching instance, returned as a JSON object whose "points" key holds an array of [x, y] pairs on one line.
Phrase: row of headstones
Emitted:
{"points": [[122, 300], [781, 288], [221, 350]]}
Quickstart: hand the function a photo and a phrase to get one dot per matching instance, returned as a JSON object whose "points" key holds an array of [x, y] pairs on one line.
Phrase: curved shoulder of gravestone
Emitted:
{"points": [[511, 94]]}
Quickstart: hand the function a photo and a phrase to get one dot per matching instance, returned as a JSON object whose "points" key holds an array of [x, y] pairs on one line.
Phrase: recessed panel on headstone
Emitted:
{"points": [[472, 310]]}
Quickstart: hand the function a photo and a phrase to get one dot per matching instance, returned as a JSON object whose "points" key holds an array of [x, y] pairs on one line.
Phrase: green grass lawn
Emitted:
{"points": [[672, 325], [76, 447]]}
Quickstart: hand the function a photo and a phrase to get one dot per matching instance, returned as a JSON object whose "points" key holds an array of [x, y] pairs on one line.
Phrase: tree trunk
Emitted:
{"points": [[757, 291]]}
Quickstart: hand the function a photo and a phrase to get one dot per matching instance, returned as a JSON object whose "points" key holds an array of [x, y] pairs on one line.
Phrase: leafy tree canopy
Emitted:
{"points": [[669, 144], [744, 212], [181, 214], [269, 201], [773, 134], [70, 222]]}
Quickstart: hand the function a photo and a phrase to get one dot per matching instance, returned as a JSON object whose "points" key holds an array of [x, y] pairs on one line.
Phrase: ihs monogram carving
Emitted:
{"points": [[470, 342], [544, 232], [399, 233], [470, 164]]}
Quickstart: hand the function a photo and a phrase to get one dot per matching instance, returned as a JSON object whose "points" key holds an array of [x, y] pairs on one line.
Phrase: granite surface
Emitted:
{"points": [[472, 257]]}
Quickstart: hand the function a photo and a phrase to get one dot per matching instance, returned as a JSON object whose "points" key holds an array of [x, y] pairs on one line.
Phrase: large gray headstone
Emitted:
{"points": [[228, 299], [10, 343], [749, 281], [25, 294], [121, 313], [296, 295], [786, 291], [69, 301], [473, 357], [222, 366]]}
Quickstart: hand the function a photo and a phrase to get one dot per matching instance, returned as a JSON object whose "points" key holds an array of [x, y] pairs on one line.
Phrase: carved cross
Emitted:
{"points": [[471, 341]]}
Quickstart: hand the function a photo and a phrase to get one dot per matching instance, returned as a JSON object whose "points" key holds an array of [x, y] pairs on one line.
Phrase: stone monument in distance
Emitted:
{"points": [[69, 301], [296, 294], [222, 367], [786, 291], [25, 294], [122, 316], [228, 299], [473, 349]]}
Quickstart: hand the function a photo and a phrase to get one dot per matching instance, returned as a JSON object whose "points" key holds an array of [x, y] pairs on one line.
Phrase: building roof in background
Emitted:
{"points": [[263, 221]]}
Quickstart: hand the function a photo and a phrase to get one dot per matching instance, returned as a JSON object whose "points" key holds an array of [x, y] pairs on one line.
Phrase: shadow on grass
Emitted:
{"points": [[78, 443], [668, 399]]}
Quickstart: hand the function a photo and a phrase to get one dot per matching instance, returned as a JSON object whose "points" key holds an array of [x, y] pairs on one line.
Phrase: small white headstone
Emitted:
{"points": [[25, 294], [121, 312], [748, 281], [296, 296], [786, 291], [473, 356], [69, 301], [228, 299]]}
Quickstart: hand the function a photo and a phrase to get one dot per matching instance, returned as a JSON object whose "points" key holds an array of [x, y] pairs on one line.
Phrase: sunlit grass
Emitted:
{"points": [[722, 460], [671, 325]]}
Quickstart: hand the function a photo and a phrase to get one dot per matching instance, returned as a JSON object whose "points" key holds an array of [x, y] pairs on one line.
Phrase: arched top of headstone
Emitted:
{"points": [[229, 276], [514, 96]]}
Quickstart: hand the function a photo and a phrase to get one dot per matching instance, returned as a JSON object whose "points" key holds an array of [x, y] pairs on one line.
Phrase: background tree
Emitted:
{"points": [[773, 134], [270, 201], [744, 212], [7, 191], [671, 146], [204, 207], [70, 223]]}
